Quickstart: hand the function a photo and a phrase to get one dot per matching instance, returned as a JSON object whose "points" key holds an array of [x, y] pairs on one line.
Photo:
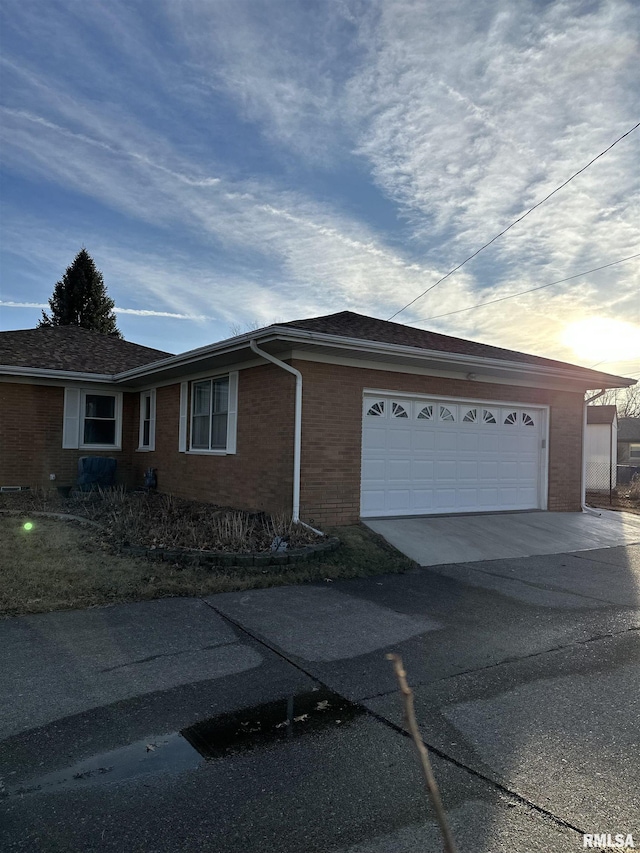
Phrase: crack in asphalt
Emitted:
{"points": [[168, 655], [399, 730]]}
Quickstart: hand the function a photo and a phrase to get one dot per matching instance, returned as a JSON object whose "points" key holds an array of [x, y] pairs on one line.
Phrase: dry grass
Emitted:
{"points": [[61, 564], [164, 521], [625, 497]]}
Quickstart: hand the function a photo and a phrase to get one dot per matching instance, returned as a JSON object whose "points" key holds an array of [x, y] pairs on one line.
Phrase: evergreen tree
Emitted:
{"points": [[80, 299]]}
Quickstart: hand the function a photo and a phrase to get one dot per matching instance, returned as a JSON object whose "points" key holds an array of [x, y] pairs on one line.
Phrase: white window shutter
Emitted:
{"points": [[232, 415], [71, 419], [152, 420], [182, 432]]}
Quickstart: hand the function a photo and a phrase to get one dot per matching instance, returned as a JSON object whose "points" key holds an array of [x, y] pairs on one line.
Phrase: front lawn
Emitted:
{"points": [[60, 564]]}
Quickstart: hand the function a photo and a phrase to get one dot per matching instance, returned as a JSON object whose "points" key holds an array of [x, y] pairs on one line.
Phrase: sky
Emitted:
{"points": [[233, 163]]}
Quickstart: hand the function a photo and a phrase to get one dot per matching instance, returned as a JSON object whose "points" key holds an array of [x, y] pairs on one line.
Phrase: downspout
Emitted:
{"points": [[586, 508], [297, 431]]}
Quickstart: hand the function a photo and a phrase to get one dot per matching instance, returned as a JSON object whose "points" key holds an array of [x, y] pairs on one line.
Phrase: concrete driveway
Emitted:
{"points": [[525, 677], [432, 541]]}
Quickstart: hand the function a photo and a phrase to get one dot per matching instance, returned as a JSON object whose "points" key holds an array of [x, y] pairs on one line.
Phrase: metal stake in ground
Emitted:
{"points": [[432, 785]]}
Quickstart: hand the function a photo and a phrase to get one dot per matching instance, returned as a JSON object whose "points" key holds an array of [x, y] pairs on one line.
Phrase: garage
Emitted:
{"points": [[423, 456]]}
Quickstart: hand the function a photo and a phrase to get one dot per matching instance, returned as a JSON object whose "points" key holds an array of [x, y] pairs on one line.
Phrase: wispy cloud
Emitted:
{"points": [[135, 312], [461, 116]]}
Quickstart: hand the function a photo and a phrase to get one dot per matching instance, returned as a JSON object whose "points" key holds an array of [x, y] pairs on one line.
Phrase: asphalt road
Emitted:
{"points": [[526, 679]]}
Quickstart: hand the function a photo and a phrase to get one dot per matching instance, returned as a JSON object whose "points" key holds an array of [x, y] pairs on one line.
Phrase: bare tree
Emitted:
{"points": [[251, 326], [626, 401]]}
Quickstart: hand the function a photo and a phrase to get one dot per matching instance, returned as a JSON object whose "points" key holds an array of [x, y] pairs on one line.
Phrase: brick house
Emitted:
{"points": [[337, 417]]}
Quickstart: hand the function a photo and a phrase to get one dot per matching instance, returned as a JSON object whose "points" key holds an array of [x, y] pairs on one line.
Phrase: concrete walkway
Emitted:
{"points": [[434, 541]]}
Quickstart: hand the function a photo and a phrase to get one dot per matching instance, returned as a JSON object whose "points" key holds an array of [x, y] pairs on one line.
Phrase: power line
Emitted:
{"points": [[515, 222], [613, 361], [531, 290]]}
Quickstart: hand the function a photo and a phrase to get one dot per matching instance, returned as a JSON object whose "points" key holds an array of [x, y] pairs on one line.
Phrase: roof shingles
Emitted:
{"points": [[361, 327], [74, 349]]}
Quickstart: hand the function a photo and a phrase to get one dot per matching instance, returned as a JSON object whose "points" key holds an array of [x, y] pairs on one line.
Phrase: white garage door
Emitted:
{"points": [[424, 456]]}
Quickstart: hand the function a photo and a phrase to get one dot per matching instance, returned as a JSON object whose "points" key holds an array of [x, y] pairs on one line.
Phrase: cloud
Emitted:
{"points": [[136, 312], [462, 116], [472, 125]]}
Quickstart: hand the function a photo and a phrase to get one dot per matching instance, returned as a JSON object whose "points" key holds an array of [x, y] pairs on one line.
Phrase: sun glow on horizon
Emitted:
{"points": [[599, 339]]}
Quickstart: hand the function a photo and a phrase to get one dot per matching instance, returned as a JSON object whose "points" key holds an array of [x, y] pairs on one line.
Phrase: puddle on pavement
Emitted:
{"points": [[286, 718], [213, 738], [166, 754]]}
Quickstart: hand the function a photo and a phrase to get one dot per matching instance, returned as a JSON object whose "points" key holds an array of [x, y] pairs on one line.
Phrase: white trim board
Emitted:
{"points": [[547, 384]]}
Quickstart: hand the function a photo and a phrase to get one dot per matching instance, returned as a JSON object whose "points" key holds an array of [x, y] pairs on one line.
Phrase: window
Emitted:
{"points": [[376, 410], [634, 451], [92, 419], [426, 413], [209, 415], [446, 414], [398, 411], [147, 436], [99, 425]]}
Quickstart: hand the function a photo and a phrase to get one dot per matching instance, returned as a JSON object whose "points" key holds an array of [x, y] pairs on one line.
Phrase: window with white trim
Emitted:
{"points": [[634, 451], [147, 434], [213, 414], [92, 419]]}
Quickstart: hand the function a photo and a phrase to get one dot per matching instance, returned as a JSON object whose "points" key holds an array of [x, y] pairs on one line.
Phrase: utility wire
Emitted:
{"points": [[531, 290], [515, 222]]}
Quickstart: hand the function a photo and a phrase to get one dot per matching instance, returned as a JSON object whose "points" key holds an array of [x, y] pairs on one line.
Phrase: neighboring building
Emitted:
{"points": [[379, 419], [601, 448], [628, 448]]}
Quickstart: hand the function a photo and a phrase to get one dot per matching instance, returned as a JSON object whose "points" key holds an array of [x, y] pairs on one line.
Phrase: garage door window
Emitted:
{"points": [[447, 414], [376, 410]]}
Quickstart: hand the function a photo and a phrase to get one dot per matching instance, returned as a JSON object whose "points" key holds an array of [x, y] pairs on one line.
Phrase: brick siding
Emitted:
{"points": [[332, 432], [31, 418], [259, 476]]}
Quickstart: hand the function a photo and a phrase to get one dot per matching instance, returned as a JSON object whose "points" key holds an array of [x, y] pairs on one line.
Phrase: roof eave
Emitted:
{"points": [[45, 373], [600, 380], [592, 379], [288, 335]]}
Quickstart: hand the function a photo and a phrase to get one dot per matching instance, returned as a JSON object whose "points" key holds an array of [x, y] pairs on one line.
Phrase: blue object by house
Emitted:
{"points": [[96, 471]]}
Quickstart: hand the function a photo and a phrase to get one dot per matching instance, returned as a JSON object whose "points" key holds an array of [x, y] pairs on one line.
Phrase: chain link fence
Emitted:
{"points": [[601, 477]]}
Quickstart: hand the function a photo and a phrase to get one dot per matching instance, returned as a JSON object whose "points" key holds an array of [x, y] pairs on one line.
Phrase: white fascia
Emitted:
{"points": [[469, 362], [462, 359], [44, 373]]}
